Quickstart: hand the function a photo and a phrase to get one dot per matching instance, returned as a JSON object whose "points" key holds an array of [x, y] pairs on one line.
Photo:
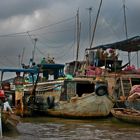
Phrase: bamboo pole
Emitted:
{"points": [[0, 123]]}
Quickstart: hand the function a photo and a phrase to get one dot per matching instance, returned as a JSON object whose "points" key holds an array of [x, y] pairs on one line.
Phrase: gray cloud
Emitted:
{"points": [[9, 8], [53, 23]]}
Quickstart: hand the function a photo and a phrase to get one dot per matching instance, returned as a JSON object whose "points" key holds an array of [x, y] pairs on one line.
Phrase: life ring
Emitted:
{"points": [[101, 89], [50, 101]]}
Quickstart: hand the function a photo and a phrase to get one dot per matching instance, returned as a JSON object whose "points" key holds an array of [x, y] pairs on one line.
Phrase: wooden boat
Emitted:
{"points": [[9, 92], [9, 121], [79, 96], [82, 98], [126, 115], [120, 77], [35, 92], [119, 81]]}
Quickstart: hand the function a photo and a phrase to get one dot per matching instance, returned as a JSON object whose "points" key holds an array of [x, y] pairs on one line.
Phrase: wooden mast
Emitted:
{"points": [[90, 10], [34, 49], [94, 29], [78, 40], [125, 26], [78, 36]]}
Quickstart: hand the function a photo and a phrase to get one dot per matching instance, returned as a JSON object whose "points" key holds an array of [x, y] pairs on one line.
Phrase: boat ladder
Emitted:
{"points": [[126, 85]]}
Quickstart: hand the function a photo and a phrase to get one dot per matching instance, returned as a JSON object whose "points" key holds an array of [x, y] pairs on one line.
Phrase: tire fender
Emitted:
{"points": [[50, 101], [101, 89]]}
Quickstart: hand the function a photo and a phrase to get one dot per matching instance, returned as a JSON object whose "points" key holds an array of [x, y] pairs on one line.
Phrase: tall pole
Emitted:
{"points": [[90, 10], [1, 122], [125, 26], [34, 49], [19, 60], [78, 40], [94, 29], [125, 20], [137, 59], [22, 55]]}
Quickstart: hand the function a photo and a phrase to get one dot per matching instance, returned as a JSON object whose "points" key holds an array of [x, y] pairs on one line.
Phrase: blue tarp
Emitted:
{"points": [[17, 70], [53, 66]]}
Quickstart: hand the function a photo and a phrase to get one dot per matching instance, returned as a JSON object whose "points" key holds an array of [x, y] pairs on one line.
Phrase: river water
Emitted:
{"points": [[46, 128]]}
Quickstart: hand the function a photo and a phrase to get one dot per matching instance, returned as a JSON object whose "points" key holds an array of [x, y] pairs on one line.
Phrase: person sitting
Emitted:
{"points": [[6, 105], [112, 54], [105, 54]]}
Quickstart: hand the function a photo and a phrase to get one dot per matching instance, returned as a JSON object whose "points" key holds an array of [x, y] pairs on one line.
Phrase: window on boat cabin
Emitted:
{"points": [[84, 88], [76, 88], [135, 81]]}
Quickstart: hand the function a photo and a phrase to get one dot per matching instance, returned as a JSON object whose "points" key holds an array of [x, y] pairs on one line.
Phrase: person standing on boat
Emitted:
{"points": [[43, 61], [19, 90], [36, 69], [97, 57]]}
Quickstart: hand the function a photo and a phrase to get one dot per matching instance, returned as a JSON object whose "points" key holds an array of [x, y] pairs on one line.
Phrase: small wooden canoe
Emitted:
{"points": [[9, 121], [127, 115]]}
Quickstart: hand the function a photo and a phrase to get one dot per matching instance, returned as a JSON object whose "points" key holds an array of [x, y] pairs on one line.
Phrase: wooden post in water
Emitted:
{"points": [[0, 124]]}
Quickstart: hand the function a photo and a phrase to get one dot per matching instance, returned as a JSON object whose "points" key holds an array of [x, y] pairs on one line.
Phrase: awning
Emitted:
{"points": [[52, 66], [17, 70], [128, 45]]}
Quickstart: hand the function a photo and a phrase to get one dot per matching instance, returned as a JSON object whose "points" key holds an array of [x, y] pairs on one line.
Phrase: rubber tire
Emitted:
{"points": [[50, 101], [104, 88]]}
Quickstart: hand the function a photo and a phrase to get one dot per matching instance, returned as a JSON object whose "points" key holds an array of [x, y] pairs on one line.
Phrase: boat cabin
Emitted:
{"points": [[52, 71], [121, 75], [81, 86]]}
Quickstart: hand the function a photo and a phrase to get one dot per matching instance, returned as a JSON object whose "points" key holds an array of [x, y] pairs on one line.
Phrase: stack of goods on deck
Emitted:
{"points": [[93, 71], [134, 93], [131, 69]]}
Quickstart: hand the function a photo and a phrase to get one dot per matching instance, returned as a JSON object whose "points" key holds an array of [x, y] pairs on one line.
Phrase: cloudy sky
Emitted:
{"points": [[52, 23]]}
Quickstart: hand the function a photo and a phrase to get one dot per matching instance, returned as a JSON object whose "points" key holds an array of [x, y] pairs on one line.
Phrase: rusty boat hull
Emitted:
{"points": [[87, 106]]}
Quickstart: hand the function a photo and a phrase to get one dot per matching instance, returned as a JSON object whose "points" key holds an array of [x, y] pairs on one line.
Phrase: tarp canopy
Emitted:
{"points": [[128, 45], [52, 66], [17, 70]]}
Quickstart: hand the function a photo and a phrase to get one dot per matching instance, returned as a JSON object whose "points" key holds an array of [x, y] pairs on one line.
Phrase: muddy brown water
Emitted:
{"points": [[46, 128]]}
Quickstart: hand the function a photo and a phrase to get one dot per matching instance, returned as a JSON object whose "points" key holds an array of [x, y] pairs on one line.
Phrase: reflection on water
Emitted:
{"points": [[44, 128]]}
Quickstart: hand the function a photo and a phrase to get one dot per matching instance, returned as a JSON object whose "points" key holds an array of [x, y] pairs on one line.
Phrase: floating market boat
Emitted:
{"points": [[126, 115], [83, 98], [94, 89], [121, 77], [9, 121], [8, 90], [36, 91]]}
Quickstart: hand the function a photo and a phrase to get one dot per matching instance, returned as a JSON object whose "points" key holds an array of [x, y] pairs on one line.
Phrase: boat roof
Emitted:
{"points": [[129, 45], [53, 66], [17, 70]]}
